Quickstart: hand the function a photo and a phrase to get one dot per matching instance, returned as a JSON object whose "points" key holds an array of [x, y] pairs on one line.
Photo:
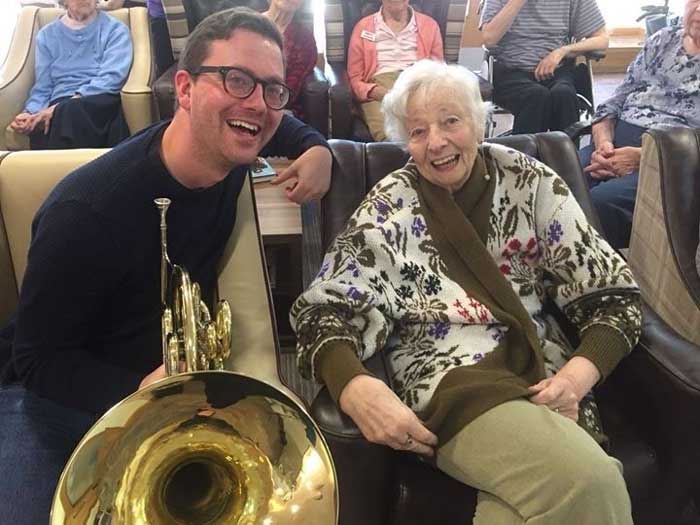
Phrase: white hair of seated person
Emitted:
{"points": [[427, 76]]}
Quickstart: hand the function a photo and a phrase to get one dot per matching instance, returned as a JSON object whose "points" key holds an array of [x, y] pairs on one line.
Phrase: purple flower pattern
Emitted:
{"points": [[555, 232], [418, 227]]}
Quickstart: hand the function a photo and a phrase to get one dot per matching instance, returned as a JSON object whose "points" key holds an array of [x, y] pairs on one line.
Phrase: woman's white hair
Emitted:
{"points": [[426, 77]]}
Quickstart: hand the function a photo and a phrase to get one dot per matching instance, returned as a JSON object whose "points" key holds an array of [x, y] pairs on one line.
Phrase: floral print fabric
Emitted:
{"points": [[661, 87], [383, 285]]}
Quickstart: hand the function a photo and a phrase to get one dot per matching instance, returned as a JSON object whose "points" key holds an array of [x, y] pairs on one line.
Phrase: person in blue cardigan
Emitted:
{"points": [[82, 61]]}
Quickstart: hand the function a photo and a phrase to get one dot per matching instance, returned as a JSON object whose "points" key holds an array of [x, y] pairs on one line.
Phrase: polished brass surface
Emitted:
{"points": [[191, 339], [200, 448], [205, 447]]}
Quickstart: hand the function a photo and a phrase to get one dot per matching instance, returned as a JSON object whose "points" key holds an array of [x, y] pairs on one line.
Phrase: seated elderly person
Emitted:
{"points": [[533, 75], [381, 46], [660, 89], [82, 61], [442, 267], [299, 48]]}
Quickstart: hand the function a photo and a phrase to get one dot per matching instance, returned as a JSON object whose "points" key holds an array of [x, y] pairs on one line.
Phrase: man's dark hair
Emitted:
{"points": [[220, 26]]}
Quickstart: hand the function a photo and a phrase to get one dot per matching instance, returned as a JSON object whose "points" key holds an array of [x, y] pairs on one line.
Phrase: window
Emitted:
{"points": [[625, 13]]}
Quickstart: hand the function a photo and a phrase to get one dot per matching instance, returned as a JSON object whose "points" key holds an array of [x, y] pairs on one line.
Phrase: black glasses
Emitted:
{"points": [[241, 84]]}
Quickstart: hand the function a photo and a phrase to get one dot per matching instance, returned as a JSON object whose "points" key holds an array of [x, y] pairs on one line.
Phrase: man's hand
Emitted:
{"points": [[308, 177], [377, 93], [158, 373], [545, 69], [383, 418]]}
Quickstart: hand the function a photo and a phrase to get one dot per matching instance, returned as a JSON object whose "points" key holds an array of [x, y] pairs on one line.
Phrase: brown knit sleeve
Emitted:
{"points": [[604, 346], [338, 364]]}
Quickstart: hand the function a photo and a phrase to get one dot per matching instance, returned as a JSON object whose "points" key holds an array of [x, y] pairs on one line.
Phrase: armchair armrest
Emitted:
{"points": [[341, 101], [328, 415], [658, 387], [17, 77], [578, 130], [365, 470], [136, 95], [594, 55], [314, 100], [672, 355]]}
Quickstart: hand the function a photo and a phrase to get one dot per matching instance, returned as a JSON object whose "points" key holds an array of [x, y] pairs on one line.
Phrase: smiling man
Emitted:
{"points": [[95, 248]]}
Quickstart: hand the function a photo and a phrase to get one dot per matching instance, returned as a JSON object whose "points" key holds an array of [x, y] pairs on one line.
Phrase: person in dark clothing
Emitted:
{"points": [[87, 329]]}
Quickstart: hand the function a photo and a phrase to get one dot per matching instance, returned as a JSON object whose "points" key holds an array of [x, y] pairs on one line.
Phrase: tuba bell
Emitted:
{"points": [[204, 446]]}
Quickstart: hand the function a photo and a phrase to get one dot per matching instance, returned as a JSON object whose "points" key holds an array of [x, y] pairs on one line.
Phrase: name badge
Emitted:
{"points": [[367, 35]]}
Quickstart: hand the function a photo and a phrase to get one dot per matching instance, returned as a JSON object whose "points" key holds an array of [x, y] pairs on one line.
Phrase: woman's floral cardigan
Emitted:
{"points": [[383, 285]]}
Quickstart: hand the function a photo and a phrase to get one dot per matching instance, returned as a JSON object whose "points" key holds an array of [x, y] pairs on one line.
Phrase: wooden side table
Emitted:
{"points": [[280, 226]]}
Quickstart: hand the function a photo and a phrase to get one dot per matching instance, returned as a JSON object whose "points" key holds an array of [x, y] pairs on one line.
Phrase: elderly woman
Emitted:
{"points": [[445, 268], [381, 46], [660, 90], [299, 48], [82, 61]]}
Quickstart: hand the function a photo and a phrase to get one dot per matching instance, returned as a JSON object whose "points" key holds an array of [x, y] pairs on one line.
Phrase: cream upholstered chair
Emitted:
{"points": [[26, 179], [17, 74]]}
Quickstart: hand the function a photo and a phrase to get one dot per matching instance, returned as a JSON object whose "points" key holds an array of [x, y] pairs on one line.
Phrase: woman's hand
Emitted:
{"points": [[26, 123], [43, 118], [601, 167], [23, 123], [563, 391], [383, 418], [377, 93], [626, 160], [623, 161], [558, 393]]}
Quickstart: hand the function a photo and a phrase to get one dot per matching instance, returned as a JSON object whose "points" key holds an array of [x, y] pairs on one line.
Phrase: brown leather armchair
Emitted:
{"points": [[662, 253], [650, 404], [184, 15], [340, 19]]}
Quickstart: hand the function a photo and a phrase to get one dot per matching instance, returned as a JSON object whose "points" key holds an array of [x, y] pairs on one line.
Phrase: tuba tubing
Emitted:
{"points": [[204, 445]]}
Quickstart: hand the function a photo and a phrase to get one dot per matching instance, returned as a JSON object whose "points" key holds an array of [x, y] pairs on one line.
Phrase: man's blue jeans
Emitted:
{"points": [[37, 436], [614, 198]]}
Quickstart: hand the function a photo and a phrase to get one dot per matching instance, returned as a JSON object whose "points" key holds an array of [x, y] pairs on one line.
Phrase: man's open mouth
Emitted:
{"points": [[247, 127]]}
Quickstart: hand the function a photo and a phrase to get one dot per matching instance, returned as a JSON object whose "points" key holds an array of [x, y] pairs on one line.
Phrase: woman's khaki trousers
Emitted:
{"points": [[532, 465], [372, 111]]}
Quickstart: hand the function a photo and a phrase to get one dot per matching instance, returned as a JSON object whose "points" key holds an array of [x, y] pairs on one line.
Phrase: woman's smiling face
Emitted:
{"points": [[441, 138]]}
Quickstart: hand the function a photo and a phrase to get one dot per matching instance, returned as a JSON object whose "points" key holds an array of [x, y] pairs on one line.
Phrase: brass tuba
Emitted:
{"points": [[204, 446]]}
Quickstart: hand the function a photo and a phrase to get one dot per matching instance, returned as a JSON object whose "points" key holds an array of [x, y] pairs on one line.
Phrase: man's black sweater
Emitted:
{"points": [[88, 322]]}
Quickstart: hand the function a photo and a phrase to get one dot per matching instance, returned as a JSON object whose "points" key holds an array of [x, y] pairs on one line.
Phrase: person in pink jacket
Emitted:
{"points": [[381, 46]]}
